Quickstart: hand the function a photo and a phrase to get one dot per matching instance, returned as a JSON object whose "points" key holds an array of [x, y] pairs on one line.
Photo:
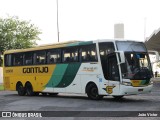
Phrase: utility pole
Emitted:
{"points": [[57, 22], [145, 20]]}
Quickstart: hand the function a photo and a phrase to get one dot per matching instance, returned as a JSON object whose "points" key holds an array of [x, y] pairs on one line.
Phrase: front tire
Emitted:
{"points": [[92, 92], [118, 97]]}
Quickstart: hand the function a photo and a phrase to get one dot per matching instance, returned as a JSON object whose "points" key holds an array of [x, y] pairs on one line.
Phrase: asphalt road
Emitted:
{"points": [[10, 101]]}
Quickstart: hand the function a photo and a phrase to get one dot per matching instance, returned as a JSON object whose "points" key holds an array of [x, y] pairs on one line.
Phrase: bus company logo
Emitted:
{"points": [[6, 114], [109, 89], [35, 70], [89, 69]]}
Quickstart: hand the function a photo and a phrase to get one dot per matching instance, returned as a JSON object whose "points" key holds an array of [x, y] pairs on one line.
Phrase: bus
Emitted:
{"points": [[96, 68]]}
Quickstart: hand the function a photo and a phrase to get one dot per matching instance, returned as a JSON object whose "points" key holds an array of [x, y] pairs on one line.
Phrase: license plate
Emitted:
{"points": [[140, 90]]}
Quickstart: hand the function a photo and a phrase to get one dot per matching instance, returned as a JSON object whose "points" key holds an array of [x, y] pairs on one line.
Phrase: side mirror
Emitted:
{"points": [[121, 57], [154, 56], [157, 56]]}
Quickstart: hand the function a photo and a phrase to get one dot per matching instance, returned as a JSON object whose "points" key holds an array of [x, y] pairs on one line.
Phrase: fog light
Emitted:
{"points": [[151, 81], [126, 83]]}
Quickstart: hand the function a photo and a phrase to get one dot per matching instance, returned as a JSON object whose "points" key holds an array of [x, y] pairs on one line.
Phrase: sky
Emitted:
{"points": [[86, 19]]}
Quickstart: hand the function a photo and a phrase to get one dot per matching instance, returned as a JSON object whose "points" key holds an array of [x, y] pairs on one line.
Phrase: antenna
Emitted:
{"points": [[57, 22]]}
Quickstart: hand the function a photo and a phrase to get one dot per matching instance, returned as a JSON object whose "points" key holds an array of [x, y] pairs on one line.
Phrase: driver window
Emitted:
{"points": [[105, 49], [113, 71]]}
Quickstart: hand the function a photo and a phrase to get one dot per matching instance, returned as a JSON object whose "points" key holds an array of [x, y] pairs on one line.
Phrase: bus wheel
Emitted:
{"points": [[29, 89], [53, 94], [36, 93], [118, 97], [20, 89], [44, 94], [92, 92]]}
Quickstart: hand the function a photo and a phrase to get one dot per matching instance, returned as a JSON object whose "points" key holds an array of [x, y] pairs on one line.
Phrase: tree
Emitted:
{"points": [[17, 34]]}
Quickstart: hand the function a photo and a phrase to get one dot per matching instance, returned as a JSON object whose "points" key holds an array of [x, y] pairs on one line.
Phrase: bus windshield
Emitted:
{"points": [[131, 46], [137, 66]]}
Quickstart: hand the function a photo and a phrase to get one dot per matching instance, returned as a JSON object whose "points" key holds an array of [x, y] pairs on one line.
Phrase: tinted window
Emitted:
{"points": [[28, 58], [70, 55], [106, 48], [88, 53], [17, 59], [8, 60], [40, 57], [54, 56]]}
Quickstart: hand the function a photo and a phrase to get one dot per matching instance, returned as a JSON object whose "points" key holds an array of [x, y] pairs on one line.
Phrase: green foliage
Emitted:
{"points": [[17, 34]]}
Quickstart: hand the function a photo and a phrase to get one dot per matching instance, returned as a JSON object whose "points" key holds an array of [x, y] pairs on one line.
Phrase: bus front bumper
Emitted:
{"points": [[130, 90]]}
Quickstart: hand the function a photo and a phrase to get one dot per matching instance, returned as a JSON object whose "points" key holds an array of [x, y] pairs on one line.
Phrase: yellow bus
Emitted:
{"points": [[98, 68]]}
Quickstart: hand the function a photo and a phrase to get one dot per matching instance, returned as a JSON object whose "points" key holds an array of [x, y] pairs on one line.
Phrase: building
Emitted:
{"points": [[119, 30], [153, 43]]}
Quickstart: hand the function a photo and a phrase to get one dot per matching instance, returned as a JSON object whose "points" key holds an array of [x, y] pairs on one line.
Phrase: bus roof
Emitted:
{"points": [[64, 44], [49, 46]]}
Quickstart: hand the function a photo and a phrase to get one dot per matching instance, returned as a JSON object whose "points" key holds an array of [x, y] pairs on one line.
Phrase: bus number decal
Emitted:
{"points": [[9, 71]]}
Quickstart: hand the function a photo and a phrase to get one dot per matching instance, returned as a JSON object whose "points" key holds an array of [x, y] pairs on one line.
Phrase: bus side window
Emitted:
{"points": [[70, 55], [39, 57], [28, 58], [18, 59], [54, 56], [8, 60], [88, 53]]}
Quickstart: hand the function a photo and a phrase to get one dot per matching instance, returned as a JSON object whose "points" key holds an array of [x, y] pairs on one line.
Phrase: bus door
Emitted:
{"points": [[112, 75]]}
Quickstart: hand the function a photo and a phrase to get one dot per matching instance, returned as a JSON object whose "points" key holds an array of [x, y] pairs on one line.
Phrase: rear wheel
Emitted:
{"points": [[20, 89], [29, 89], [92, 92]]}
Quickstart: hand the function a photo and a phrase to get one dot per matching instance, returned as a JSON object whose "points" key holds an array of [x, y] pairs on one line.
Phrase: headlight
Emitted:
{"points": [[151, 81], [126, 83]]}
